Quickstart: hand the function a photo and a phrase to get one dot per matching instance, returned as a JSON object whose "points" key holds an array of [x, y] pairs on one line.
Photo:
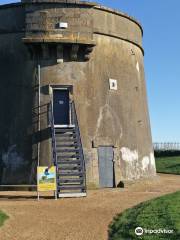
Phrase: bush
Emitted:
{"points": [[3, 217], [166, 153]]}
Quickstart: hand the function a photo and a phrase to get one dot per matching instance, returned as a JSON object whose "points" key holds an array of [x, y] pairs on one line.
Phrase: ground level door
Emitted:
{"points": [[106, 167], [61, 106]]}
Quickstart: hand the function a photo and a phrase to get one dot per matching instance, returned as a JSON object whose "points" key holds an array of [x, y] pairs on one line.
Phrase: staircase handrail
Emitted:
{"points": [[53, 142], [75, 122], [54, 152]]}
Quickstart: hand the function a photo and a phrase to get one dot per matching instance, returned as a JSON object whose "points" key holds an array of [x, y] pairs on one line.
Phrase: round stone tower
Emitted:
{"points": [[73, 60]]}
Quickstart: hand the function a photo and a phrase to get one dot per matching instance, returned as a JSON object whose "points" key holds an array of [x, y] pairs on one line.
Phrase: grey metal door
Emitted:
{"points": [[106, 171]]}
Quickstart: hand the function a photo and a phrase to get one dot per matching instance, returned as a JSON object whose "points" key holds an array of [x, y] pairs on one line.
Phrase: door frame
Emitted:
{"points": [[68, 88]]}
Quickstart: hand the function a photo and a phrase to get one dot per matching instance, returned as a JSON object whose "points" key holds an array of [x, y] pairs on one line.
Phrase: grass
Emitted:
{"points": [[3, 217], [160, 213], [168, 165]]}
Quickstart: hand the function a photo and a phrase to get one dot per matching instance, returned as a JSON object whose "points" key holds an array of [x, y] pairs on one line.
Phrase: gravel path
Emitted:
{"points": [[75, 219]]}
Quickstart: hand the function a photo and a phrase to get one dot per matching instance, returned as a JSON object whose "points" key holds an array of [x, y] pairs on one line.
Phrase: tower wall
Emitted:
{"points": [[117, 118]]}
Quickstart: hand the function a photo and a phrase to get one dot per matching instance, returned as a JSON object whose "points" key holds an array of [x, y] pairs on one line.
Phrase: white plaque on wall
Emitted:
{"points": [[113, 84], [63, 25]]}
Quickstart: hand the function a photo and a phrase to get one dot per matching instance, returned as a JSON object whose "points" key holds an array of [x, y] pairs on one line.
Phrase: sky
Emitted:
{"points": [[161, 41]]}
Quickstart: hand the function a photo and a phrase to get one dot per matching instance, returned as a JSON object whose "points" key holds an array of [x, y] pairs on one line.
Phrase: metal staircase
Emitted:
{"points": [[68, 157]]}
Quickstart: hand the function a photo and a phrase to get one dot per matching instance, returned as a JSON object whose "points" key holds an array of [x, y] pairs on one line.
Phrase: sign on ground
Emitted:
{"points": [[46, 179]]}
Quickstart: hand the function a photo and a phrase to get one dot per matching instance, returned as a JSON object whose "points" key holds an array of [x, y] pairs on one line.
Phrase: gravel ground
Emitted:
{"points": [[75, 219]]}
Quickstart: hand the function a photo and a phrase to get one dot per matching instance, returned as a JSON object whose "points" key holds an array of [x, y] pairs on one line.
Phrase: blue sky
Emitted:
{"points": [[160, 20]]}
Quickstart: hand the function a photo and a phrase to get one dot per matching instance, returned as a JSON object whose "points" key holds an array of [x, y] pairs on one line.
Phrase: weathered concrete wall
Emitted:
{"points": [[16, 110], [17, 160], [106, 117], [120, 118]]}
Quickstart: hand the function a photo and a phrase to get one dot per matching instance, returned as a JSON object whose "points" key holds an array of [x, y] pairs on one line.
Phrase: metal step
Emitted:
{"points": [[68, 172], [67, 140], [72, 195], [66, 145], [68, 156], [80, 174], [67, 150], [71, 187], [62, 135], [65, 158], [70, 180], [64, 130], [60, 168], [69, 162]]}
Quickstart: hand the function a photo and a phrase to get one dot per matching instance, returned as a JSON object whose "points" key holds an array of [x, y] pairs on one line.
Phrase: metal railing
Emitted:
{"points": [[74, 121], [53, 142], [165, 146], [54, 152]]}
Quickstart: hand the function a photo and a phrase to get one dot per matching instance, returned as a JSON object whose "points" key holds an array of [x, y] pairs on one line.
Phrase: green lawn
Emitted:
{"points": [[168, 165], [160, 213], [3, 217]]}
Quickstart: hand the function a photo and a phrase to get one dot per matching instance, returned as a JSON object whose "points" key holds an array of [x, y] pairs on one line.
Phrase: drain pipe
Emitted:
{"points": [[39, 118], [39, 109]]}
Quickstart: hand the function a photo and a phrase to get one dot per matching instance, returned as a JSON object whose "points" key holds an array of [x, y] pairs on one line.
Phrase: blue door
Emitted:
{"points": [[61, 106], [106, 167]]}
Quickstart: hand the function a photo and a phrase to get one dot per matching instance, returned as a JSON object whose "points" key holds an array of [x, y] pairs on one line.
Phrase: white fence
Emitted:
{"points": [[175, 146]]}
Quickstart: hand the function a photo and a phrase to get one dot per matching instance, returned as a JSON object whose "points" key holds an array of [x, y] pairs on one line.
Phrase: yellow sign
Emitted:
{"points": [[46, 179]]}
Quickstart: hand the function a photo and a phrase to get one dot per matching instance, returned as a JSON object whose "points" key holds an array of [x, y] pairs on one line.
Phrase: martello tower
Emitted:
{"points": [[72, 72]]}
